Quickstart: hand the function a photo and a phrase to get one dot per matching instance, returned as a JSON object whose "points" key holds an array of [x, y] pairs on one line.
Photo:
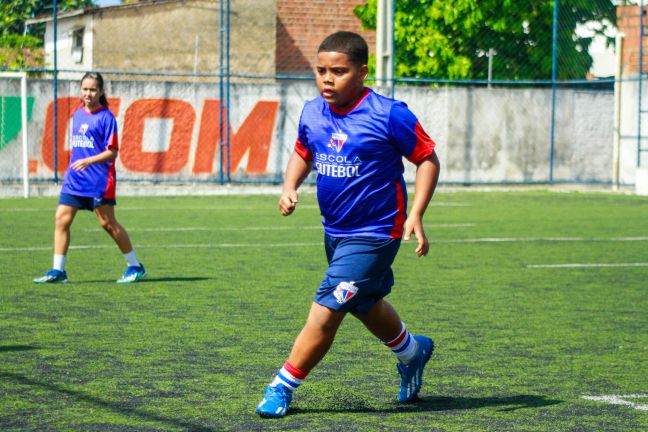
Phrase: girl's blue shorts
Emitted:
{"points": [[85, 203], [359, 272]]}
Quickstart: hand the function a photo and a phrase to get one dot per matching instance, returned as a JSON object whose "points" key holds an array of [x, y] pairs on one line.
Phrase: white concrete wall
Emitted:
{"points": [[504, 135], [629, 133], [483, 135]]}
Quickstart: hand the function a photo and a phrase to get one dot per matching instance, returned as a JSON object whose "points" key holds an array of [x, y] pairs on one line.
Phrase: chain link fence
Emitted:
{"points": [[211, 91]]}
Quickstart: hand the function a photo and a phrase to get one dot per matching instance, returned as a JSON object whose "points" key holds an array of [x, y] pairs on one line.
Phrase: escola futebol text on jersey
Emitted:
{"points": [[332, 165], [82, 141]]}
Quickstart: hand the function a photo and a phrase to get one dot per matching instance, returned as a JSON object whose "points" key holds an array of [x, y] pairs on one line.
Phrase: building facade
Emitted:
{"points": [[628, 22], [165, 36], [266, 37]]}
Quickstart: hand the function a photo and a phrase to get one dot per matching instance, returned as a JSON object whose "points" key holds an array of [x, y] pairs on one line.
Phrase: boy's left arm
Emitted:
{"points": [[427, 176]]}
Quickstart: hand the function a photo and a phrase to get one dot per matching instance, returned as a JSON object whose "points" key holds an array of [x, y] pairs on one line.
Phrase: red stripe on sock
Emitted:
{"points": [[398, 340], [297, 373]]}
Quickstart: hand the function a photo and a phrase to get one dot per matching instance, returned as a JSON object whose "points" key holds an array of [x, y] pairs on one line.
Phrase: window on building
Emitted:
{"points": [[77, 45]]}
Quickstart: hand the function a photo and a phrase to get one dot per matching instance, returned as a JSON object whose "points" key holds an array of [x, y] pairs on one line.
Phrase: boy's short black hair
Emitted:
{"points": [[349, 43]]}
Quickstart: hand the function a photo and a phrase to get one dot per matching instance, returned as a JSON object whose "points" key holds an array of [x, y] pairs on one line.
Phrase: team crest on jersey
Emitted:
{"points": [[83, 129], [345, 291], [337, 141]]}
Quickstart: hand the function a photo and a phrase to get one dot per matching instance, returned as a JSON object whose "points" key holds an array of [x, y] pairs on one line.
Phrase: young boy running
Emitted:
{"points": [[356, 139]]}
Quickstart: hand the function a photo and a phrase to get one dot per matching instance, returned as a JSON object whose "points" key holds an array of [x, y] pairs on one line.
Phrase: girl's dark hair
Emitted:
{"points": [[100, 83], [349, 43]]}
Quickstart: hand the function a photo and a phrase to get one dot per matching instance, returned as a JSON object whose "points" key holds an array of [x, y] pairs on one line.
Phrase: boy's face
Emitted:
{"points": [[339, 81]]}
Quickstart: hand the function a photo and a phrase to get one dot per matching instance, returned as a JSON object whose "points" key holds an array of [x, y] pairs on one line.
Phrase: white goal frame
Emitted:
{"points": [[23, 129]]}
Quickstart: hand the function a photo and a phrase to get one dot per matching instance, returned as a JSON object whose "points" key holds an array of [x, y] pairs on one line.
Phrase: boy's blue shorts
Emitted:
{"points": [[85, 203], [359, 272]]}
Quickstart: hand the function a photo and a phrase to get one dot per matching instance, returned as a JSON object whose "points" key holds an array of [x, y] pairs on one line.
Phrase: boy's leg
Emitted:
{"points": [[311, 345], [359, 272], [106, 216], [413, 352], [316, 337], [382, 321]]}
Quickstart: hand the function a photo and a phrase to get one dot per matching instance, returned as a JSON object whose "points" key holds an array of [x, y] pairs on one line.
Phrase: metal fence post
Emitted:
{"points": [[221, 105], [227, 92], [616, 145], [554, 66], [55, 106]]}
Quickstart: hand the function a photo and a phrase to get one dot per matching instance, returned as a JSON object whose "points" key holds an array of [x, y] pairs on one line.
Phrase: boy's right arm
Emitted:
{"points": [[296, 173]]}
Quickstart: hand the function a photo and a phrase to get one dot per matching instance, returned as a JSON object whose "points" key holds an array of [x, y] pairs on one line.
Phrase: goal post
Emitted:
{"points": [[23, 125]]}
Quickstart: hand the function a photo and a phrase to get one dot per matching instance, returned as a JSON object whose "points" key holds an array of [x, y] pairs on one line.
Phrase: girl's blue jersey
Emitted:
{"points": [[92, 134], [358, 155]]}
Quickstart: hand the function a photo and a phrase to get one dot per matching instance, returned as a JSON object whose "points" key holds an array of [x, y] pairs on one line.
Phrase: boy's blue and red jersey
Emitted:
{"points": [[358, 155], [92, 134]]}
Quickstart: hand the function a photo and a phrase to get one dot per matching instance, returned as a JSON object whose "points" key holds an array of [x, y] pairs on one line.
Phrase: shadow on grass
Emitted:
{"points": [[118, 407], [511, 403], [9, 348], [441, 403]]}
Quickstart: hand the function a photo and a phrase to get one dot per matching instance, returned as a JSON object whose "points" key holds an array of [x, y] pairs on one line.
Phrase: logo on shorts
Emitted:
{"points": [[345, 291]]}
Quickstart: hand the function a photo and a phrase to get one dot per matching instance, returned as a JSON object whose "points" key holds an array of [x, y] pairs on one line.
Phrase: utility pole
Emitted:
{"points": [[385, 47]]}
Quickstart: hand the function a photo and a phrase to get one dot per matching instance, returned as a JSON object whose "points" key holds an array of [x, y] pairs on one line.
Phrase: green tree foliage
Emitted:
{"points": [[14, 13], [451, 38], [18, 51], [17, 48]]}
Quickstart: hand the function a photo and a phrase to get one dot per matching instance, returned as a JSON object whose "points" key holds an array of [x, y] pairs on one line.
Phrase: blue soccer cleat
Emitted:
{"points": [[51, 277], [412, 374], [275, 402], [133, 274]]}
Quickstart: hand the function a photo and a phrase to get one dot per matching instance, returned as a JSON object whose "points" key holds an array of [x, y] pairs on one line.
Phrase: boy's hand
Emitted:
{"points": [[288, 202], [415, 225]]}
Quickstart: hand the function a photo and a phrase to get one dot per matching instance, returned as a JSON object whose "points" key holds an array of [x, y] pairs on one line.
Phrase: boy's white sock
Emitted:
{"points": [[404, 346], [289, 376]]}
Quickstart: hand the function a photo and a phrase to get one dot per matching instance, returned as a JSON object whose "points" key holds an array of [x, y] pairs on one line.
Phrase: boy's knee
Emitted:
{"points": [[328, 326], [324, 319]]}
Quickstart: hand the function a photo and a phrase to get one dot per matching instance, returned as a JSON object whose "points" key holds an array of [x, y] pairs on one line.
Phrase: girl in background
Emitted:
{"points": [[90, 181]]}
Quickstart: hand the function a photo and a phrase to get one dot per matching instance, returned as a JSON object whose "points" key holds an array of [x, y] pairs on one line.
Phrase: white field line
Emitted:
{"points": [[189, 229], [513, 239], [210, 208], [168, 246], [178, 208], [620, 400], [582, 265], [540, 239], [449, 204], [241, 245], [272, 228]]}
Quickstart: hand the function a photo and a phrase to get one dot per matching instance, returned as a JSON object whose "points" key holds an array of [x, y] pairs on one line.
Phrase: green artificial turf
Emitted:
{"points": [[192, 347]]}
